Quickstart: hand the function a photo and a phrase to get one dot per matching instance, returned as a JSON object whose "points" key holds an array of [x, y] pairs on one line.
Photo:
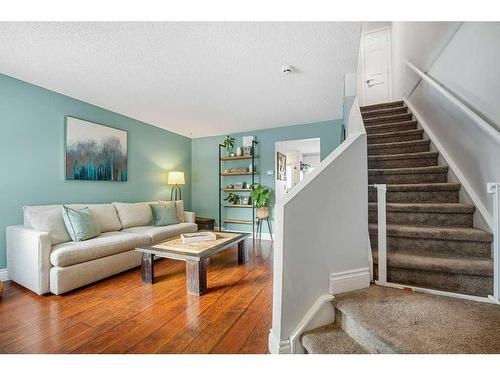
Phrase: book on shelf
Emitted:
{"points": [[198, 237]]}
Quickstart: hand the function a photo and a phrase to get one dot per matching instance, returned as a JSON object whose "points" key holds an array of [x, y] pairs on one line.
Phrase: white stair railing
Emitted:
{"points": [[494, 188]]}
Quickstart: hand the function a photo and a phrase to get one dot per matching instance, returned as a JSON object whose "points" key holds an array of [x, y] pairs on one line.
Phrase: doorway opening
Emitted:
{"points": [[294, 161]]}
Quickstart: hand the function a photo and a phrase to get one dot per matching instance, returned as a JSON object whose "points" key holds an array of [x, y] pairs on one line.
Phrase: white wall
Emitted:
{"points": [[321, 229], [420, 43], [468, 66]]}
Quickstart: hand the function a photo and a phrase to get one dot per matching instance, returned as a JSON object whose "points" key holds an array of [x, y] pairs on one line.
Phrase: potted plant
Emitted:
{"points": [[229, 144], [232, 199], [260, 197]]}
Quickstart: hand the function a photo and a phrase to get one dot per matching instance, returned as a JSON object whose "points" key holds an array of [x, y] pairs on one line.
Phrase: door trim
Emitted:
{"points": [[389, 47]]}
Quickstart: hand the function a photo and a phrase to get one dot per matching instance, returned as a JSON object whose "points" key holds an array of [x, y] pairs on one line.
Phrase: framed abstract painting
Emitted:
{"points": [[95, 152]]}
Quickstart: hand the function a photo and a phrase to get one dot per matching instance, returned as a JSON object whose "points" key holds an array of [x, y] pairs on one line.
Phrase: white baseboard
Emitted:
{"points": [[346, 281], [276, 346], [320, 314], [3, 275]]}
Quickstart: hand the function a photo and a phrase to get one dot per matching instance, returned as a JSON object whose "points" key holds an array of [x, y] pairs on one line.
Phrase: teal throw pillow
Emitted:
{"points": [[81, 224], [164, 214]]}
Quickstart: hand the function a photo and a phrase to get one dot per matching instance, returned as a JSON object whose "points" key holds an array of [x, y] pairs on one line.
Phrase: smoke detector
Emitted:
{"points": [[287, 69]]}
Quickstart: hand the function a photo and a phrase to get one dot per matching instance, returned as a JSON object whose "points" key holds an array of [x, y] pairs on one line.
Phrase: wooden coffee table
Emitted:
{"points": [[196, 256]]}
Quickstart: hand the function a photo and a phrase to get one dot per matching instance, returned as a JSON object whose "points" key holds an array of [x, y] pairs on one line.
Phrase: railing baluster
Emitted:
{"points": [[494, 188], [382, 233]]}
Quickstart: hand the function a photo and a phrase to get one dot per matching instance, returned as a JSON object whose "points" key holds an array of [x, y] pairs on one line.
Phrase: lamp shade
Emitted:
{"points": [[176, 178]]}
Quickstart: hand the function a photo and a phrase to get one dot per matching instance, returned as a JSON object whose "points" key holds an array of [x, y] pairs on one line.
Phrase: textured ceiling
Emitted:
{"points": [[195, 79]]}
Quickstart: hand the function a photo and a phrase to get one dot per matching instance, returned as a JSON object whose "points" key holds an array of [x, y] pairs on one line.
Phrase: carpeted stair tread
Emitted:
{"points": [[411, 170], [399, 144], [372, 107], [387, 119], [384, 112], [414, 155], [412, 322], [444, 263], [427, 207], [396, 136], [330, 339], [388, 128], [439, 233], [440, 186]]}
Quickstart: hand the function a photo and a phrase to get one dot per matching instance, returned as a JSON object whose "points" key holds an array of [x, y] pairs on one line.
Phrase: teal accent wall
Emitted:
{"points": [[204, 164], [32, 121]]}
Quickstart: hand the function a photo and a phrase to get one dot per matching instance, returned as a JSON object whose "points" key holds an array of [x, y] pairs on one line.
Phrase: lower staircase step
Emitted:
{"points": [[438, 240], [330, 339], [418, 159], [419, 193], [388, 320], [465, 275], [399, 147], [425, 214], [414, 175]]}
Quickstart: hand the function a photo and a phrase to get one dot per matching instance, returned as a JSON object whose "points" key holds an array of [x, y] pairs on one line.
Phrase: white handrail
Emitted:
{"points": [[489, 128]]}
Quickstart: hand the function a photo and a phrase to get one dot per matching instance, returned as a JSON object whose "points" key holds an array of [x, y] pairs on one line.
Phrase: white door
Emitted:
{"points": [[376, 67]]}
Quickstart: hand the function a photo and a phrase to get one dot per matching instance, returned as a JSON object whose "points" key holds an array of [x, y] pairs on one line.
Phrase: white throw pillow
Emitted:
{"points": [[47, 219], [134, 214], [105, 215]]}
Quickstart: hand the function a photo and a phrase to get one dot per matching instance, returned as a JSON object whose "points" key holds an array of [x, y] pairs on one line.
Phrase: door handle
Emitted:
{"points": [[369, 80]]}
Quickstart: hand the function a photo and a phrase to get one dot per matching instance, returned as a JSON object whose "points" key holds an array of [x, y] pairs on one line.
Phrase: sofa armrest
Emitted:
{"points": [[28, 253], [189, 217]]}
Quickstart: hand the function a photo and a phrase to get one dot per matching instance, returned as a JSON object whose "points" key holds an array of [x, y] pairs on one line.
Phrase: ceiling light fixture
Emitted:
{"points": [[287, 69]]}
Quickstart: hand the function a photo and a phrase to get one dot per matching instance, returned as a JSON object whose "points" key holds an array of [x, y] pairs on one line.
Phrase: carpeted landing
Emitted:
{"points": [[386, 320]]}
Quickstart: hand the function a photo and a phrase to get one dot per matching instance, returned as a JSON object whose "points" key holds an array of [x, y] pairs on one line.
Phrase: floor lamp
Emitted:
{"points": [[176, 179]]}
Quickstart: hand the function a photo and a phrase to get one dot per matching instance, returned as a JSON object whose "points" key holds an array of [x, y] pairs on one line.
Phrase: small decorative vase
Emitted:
{"points": [[262, 212], [239, 151]]}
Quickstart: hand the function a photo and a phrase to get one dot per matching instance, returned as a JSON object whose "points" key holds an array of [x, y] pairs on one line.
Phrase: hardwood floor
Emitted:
{"points": [[122, 314]]}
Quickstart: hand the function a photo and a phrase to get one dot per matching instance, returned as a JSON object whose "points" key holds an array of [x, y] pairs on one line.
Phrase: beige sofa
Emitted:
{"points": [[42, 257]]}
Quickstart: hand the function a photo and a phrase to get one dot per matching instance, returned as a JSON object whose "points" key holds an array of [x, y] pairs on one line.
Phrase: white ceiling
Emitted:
{"points": [[195, 79]]}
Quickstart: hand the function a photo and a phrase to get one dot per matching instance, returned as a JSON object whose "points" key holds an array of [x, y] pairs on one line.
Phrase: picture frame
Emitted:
{"points": [[280, 166], [95, 152]]}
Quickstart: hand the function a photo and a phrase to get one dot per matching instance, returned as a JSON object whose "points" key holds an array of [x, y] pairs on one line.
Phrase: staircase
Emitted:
{"points": [[431, 241]]}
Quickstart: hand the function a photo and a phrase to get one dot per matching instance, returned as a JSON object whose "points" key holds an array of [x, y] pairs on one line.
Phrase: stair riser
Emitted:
{"points": [[466, 284], [388, 119], [381, 106], [385, 112], [420, 178], [374, 140], [402, 163], [467, 248], [417, 196], [425, 219], [370, 341], [390, 128], [398, 150]]}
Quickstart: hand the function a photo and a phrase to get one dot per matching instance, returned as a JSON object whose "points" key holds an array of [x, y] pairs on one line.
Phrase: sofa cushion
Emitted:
{"points": [[104, 213], [47, 219], [164, 214], [81, 224], [158, 234], [134, 214], [179, 205], [69, 253]]}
